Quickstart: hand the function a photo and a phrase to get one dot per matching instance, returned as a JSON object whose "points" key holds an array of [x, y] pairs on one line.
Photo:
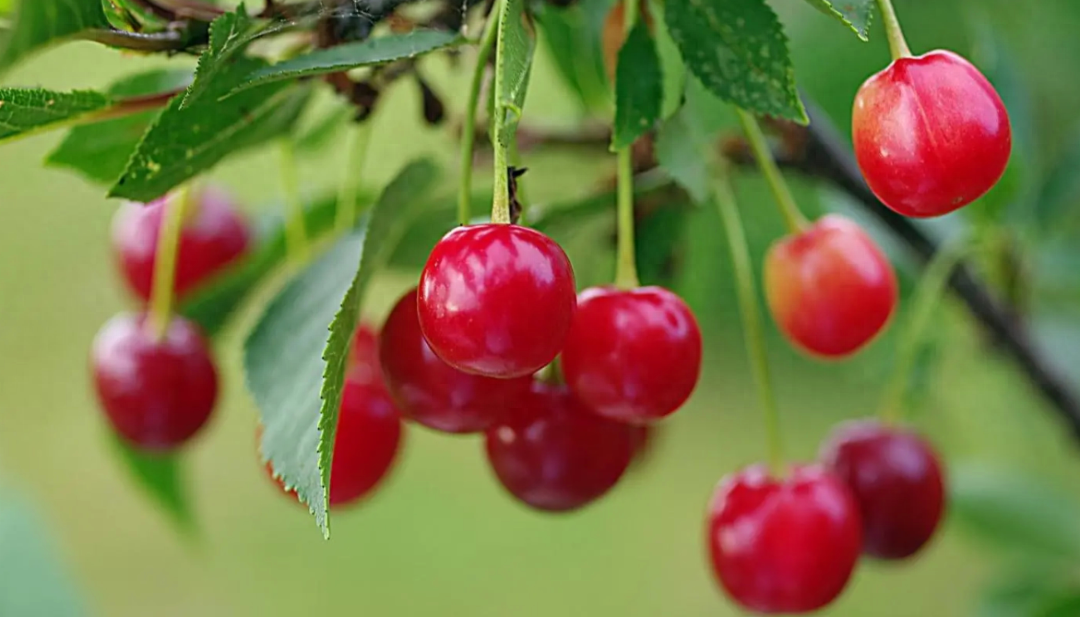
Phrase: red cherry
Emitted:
{"points": [[931, 134], [156, 394], [363, 362], [897, 480], [554, 455], [632, 355], [214, 235], [496, 300], [830, 288], [430, 391], [783, 546]]}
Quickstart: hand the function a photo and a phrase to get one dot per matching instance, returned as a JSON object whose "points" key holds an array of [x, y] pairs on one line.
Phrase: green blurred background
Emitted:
{"points": [[441, 538]]}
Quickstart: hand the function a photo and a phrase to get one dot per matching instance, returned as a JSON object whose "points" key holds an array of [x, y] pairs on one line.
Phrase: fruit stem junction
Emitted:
{"points": [[468, 129], [626, 275], [898, 46], [168, 245], [794, 218]]}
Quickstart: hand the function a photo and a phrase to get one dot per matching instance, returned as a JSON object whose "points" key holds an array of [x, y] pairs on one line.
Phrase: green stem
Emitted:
{"points": [[359, 137], [626, 275], [500, 203], [161, 291], [793, 218], [468, 130], [931, 287], [296, 240], [751, 318], [898, 46]]}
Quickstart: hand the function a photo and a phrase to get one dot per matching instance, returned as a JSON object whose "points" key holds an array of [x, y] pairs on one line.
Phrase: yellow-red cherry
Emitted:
{"points": [[898, 481], [784, 545], [830, 288], [931, 134], [496, 300]]}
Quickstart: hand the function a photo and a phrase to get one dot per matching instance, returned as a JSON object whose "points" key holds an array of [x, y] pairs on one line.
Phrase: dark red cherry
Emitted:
{"points": [[214, 235], [632, 355], [430, 391], [896, 477], [496, 300], [787, 545], [830, 288], [554, 455], [931, 134], [157, 394]]}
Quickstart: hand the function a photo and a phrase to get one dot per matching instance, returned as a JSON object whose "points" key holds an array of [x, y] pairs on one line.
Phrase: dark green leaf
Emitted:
{"points": [[229, 34], [515, 51], [24, 111], [856, 14], [161, 476], [1059, 193], [639, 87], [737, 48], [671, 63], [1031, 589], [354, 55], [295, 369], [659, 243], [39, 23], [572, 39]]}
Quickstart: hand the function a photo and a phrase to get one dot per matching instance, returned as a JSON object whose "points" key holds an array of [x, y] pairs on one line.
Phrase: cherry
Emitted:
{"points": [[830, 288], [214, 235], [931, 134], [157, 394], [553, 455], [897, 480], [496, 300], [430, 391], [783, 546], [363, 361], [632, 355]]}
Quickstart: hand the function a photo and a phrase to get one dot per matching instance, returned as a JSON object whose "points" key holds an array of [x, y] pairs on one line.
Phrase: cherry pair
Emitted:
{"points": [[790, 545]]}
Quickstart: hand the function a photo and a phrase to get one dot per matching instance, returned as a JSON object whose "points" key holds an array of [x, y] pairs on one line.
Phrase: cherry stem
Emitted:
{"points": [[168, 245], [751, 319], [358, 137], [296, 240], [626, 275], [898, 46], [500, 204], [468, 130], [794, 219], [930, 289]]}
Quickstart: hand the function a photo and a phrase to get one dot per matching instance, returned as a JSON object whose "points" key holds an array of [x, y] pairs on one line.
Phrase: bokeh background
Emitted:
{"points": [[441, 538]]}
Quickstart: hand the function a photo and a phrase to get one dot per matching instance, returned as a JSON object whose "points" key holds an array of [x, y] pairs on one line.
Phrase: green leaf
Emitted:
{"points": [[39, 23], [516, 47], [737, 48], [184, 143], [571, 36], [639, 87], [161, 476], [1059, 192], [856, 14], [354, 55], [330, 125], [229, 34], [24, 111], [671, 62], [100, 151], [295, 369], [685, 142]]}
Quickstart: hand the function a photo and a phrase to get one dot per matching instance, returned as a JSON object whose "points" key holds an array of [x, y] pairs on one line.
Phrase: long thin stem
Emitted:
{"points": [[296, 239], [500, 203], [168, 245], [898, 46], [794, 219], [359, 137], [751, 318], [626, 275], [468, 130]]}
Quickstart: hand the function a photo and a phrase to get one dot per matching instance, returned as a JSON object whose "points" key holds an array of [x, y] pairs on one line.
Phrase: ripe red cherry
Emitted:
{"points": [[496, 300], [156, 394], [830, 288], [363, 361], [897, 480], [553, 455], [931, 134], [214, 235], [783, 546], [632, 355], [430, 391]]}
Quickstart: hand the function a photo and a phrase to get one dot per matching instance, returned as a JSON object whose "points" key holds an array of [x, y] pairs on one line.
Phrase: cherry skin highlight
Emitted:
{"points": [[496, 300], [830, 288], [214, 235], [897, 479], [156, 394], [931, 134], [783, 546], [555, 456], [632, 355]]}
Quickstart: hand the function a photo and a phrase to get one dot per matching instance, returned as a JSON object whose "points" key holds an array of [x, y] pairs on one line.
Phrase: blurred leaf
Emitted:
{"points": [[671, 63], [856, 14], [39, 23], [1031, 590], [353, 55], [685, 142], [26, 110], [659, 243], [101, 150], [1059, 192], [1016, 512], [639, 87], [161, 477], [184, 143], [330, 125], [229, 34], [295, 369], [515, 48], [572, 39], [739, 52]]}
